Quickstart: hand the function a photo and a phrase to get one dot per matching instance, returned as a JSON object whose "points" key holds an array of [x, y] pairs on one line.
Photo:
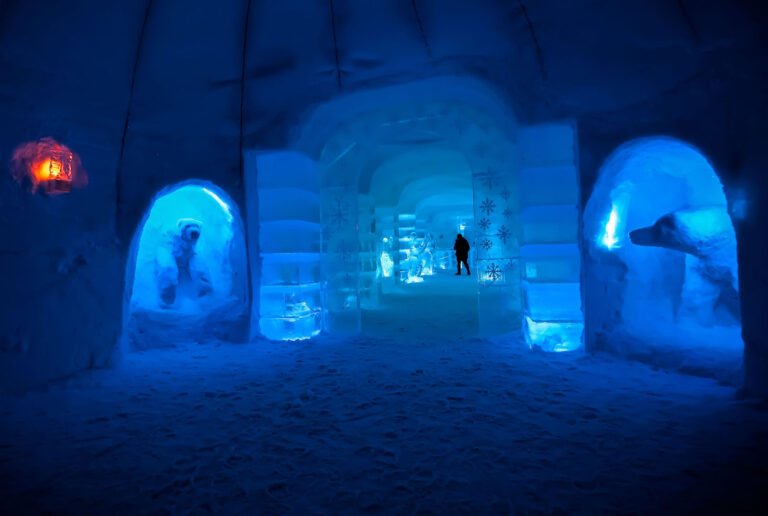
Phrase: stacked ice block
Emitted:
{"points": [[549, 229]]}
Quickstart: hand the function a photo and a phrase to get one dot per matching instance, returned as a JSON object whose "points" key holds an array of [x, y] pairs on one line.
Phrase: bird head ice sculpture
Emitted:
{"points": [[706, 235]]}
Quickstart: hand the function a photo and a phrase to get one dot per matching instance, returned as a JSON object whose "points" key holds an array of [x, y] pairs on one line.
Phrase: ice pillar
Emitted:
{"points": [[549, 222]]}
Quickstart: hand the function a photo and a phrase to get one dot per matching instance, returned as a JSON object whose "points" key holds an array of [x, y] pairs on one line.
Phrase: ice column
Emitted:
{"points": [[341, 261], [496, 244], [549, 221], [290, 301], [370, 268]]}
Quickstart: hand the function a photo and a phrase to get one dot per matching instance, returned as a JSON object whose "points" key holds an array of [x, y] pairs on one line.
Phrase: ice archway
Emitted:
{"points": [[187, 287], [385, 161], [660, 268]]}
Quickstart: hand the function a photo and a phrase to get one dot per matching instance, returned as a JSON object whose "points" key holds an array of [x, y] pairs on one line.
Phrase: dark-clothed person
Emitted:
{"points": [[462, 253]]}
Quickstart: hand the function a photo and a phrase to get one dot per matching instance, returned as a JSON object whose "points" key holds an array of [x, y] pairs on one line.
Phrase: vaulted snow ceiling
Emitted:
{"points": [[174, 89]]}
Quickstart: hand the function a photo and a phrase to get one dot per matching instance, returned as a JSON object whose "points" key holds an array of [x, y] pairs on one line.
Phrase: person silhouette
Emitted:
{"points": [[462, 253]]}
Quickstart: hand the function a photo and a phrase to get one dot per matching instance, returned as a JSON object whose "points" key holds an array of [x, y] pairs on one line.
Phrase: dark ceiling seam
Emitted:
{"points": [[688, 20], [421, 28], [335, 44], [118, 178], [533, 37], [4, 8], [242, 90], [250, 287]]}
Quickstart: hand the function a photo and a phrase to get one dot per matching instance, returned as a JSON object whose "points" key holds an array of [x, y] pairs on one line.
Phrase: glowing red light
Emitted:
{"points": [[49, 164]]}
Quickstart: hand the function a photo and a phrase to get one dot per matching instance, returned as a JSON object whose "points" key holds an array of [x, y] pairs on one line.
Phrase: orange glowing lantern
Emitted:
{"points": [[49, 164]]}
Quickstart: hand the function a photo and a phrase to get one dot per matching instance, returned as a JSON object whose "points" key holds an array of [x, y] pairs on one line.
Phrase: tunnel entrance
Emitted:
{"points": [[186, 275], [396, 174], [661, 271]]}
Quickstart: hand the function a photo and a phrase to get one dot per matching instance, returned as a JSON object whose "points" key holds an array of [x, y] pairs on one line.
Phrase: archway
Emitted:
{"points": [[523, 231], [186, 276], [660, 268]]}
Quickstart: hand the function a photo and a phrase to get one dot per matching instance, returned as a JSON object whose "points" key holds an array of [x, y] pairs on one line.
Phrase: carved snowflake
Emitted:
{"points": [[486, 244], [508, 213], [487, 206], [493, 272], [337, 215], [504, 234], [484, 224], [505, 193]]}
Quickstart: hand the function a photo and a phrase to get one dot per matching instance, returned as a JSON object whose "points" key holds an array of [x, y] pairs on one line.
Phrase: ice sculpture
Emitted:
{"points": [[428, 255], [387, 265], [710, 289], [178, 267], [189, 279], [183, 258], [414, 259]]}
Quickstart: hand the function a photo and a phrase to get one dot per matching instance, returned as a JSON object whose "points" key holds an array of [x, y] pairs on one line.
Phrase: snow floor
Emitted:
{"points": [[424, 418]]}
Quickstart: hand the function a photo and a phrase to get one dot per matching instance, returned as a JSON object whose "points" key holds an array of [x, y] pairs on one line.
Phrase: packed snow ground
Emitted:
{"points": [[423, 418]]}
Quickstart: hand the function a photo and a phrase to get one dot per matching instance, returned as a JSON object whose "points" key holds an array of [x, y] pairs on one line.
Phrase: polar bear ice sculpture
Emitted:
{"points": [[177, 264]]}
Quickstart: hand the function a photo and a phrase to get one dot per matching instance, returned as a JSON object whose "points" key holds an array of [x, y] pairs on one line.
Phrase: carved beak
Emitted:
{"points": [[644, 236]]}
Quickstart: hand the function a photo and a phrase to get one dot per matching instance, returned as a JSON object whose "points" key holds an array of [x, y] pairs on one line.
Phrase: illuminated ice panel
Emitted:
{"points": [[553, 301], [549, 224], [292, 328], [290, 268], [553, 336], [551, 262]]}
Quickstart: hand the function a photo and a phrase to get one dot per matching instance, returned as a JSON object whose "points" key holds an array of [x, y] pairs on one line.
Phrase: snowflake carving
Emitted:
{"points": [[505, 193], [493, 272], [508, 213], [337, 215], [504, 234], [486, 244], [484, 224], [487, 206]]}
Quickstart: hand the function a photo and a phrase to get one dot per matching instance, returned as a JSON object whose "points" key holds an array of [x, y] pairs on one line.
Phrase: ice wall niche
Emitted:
{"points": [[660, 263], [189, 270]]}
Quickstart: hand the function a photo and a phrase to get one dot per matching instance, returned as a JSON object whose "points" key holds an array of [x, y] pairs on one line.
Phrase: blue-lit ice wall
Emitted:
{"points": [[549, 228], [291, 287]]}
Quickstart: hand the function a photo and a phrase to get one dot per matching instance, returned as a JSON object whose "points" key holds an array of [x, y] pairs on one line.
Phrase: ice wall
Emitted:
{"points": [[150, 93], [283, 189]]}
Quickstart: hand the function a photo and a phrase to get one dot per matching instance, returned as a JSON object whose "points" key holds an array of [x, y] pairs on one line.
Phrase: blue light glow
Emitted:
{"points": [[553, 336], [223, 205], [609, 238]]}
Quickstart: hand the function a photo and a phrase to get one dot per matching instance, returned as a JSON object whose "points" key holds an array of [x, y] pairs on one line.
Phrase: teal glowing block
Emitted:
{"points": [[553, 336]]}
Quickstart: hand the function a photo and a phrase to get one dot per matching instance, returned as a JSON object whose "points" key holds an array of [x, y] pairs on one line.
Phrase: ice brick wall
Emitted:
{"points": [[289, 246], [549, 232]]}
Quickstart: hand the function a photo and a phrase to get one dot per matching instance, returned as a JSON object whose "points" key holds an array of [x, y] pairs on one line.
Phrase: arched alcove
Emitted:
{"points": [[186, 276], [661, 268]]}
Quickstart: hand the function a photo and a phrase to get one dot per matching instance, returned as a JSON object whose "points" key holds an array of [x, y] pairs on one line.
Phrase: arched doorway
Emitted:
{"points": [[660, 260], [186, 274], [397, 167]]}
